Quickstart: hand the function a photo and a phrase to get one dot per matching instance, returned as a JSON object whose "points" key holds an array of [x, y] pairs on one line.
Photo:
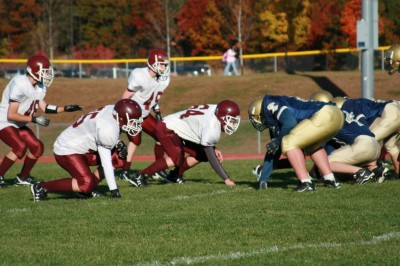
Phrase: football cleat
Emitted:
{"points": [[161, 175], [138, 180], [305, 187], [173, 177], [331, 184], [24, 181], [115, 193], [38, 192], [362, 176], [380, 173], [2, 182], [124, 175], [316, 175], [257, 171], [93, 194], [263, 185]]}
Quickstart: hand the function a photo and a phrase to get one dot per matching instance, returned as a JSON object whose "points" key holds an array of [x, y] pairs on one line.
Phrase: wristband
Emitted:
{"points": [[51, 109]]}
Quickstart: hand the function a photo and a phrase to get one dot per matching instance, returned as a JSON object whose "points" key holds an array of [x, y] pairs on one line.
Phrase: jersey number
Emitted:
{"points": [[194, 110], [91, 115], [149, 101]]}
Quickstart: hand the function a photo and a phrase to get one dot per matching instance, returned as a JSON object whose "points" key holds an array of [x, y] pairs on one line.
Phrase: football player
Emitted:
{"points": [[22, 97], [194, 131], [354, 146], [146, 86], [392, 59], [384, 121], [93, 140], [296, 125]]}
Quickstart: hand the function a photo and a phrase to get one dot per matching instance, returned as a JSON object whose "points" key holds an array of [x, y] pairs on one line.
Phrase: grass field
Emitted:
{"points": [[203, 222]]}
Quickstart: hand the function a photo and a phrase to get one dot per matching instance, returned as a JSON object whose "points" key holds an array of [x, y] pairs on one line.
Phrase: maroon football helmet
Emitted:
{"points": [[129, 116], [40, 69], [228, 114], [157, 58]]}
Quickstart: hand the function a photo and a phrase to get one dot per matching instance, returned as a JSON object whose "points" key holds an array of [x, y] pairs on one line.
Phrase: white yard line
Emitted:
{"points": [[238, 255]]}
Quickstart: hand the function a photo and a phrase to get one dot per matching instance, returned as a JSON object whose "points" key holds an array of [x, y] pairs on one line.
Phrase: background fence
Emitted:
{"points": [[332, 60]]}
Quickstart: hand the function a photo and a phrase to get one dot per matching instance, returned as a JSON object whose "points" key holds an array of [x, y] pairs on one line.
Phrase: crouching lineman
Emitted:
{"points": [[194, 131], [22, 97], [355, 146], [88, 142], [296, 125]]}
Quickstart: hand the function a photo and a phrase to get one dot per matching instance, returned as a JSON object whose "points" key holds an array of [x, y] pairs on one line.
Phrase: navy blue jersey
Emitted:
{"points": [[355, 123], [273, 106], [371, 109]]}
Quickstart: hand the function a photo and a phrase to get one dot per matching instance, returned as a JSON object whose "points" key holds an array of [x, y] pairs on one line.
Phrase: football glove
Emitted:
{"points": [[157, 112], [41, 120], [122, 150], [73, 108], [272, 147]]}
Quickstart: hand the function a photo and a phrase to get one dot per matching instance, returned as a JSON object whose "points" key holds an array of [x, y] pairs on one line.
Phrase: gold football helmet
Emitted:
{"points": [[321, 96], [255, 114], [392, 59], [339, 101]]}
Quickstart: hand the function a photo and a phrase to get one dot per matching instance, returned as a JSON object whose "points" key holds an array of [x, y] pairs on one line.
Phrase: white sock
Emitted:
{"points": [[329, 177], [306, 180]]}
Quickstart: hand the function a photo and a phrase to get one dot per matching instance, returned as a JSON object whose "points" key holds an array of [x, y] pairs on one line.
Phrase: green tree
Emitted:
{"points": [[104, 23]]}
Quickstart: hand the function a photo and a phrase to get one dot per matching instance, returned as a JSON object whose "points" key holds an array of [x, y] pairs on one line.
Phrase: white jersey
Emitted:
{"points": [[198, 124], [21, 90], [147, 89], [97, 128]]}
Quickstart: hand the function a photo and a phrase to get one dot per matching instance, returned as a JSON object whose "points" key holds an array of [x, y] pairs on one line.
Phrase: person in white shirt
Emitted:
{"points": [[93, 140], [194, 132], [146, 86], [22, 97]]}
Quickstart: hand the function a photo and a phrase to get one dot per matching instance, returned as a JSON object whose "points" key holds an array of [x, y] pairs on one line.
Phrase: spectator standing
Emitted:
{"points": [[229, 58]]}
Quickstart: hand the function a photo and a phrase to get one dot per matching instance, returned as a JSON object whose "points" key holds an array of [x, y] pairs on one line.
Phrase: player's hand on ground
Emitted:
{"points": [[229, 182]]}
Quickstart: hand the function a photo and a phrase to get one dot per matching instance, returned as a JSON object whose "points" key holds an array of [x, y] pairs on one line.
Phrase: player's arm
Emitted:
{"points": [[108, 169], [13, 115], [127, 94], [216, 165], [54, 109], [287, 122]]}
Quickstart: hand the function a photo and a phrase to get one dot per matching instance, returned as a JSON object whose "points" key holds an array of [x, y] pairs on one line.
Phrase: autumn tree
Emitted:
{"points": [[389, 22], [350, 14], [19, 27], [154, 22], [325, 30], [199, 28]]}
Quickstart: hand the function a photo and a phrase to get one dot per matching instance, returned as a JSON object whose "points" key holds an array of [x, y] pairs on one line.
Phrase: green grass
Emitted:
{"points": [[203, 222]]}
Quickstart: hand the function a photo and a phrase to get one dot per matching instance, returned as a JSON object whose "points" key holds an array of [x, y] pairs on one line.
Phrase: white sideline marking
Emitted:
{"points": [[262, 251], [217, 192]]}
